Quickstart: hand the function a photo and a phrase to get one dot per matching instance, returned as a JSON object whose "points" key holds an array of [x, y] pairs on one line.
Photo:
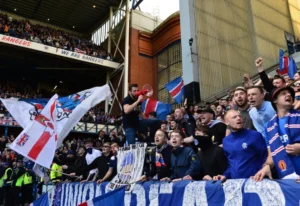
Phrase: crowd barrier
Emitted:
{"points": [[187, 193]]}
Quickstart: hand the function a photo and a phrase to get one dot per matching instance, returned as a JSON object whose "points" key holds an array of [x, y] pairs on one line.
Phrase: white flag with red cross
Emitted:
{"points": [[38, 140]]}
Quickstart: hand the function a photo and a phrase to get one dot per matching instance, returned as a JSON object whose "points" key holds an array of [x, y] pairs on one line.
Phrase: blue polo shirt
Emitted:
{"points": [[246, 152], [260, 116]]}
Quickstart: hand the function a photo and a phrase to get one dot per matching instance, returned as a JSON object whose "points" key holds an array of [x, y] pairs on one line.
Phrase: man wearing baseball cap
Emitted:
{"points": [[282, 137], [216, 128]]}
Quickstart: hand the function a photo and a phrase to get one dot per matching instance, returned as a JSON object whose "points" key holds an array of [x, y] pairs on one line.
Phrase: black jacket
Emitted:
{"points": [[100, 163], [213, 160], [79, 163], [218, 132], [187, 125], [151, 169]]}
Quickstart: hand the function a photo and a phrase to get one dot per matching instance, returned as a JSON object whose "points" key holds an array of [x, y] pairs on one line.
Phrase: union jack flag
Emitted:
{"points": [[22, 140]]}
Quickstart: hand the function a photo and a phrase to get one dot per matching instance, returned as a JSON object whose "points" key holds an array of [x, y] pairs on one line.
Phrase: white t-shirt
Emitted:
{"points": [[91, 157]]}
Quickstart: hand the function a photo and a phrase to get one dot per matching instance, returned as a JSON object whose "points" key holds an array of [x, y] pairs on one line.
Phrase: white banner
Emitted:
{"points": [[130, 166], [56, 51]]}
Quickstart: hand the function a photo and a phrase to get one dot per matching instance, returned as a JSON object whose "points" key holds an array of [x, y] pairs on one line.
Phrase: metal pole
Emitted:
{"points": [[110, 30], [126, 62], [107, 82]]}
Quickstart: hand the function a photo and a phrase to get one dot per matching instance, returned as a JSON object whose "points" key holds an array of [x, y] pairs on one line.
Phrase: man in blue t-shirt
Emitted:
{"points": [[130, 113], [288, 122]]}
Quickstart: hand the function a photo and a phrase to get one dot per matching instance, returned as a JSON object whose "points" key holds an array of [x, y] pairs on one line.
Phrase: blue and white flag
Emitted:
{"points": [[175, 89]]}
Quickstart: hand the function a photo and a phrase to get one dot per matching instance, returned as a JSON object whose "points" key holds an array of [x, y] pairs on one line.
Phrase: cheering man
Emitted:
{"points": [[282, 137], [245, 149]]}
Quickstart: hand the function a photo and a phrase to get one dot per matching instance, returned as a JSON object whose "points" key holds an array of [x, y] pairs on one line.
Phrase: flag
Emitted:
{"points": [[161, 109], [38, 140], [292, 68], [115, 197], [39, 170], [79, 51], [70, 109], [175, 88], [283, 63], [41, 201]]}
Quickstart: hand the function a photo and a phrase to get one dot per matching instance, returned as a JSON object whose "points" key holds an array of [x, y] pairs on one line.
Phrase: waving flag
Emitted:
{"points": [[175, 88], [283, 63], [69, 110], [161, 109], [292, 68], [115, 197], [38, 140], [42, 201], [287, 65]]}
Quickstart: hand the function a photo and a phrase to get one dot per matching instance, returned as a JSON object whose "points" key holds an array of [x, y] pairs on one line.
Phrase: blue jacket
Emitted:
{"points": [[246, 152], [184, 162]]}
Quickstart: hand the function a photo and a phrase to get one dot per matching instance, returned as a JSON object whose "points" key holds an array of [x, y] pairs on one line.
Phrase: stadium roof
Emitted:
{"points": [[84, 15]]}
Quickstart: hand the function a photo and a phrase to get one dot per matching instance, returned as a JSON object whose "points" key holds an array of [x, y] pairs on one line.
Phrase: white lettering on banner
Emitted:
{"points": [[76, 194], [63, 189], [140, 196], [269, 192], [71, 196], [80, 198], [194, 194], [51, 196], [166, 188], [98, 191], [56, 51], [233, 192], [153, 194]]}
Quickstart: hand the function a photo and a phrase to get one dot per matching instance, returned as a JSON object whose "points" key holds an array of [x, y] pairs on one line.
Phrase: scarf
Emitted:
{"points": [[282, 161], [159, 160]]}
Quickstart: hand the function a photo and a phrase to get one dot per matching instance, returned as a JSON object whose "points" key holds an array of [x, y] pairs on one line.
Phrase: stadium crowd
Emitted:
{"points": [[235, 137], [24, 29]]}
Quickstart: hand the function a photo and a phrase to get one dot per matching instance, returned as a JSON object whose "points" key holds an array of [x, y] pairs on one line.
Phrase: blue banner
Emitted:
{"points": [[188, 193]]}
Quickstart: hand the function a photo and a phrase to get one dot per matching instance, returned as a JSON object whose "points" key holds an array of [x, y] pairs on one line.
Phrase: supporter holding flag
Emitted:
{"points": [[184, 162], [282, 137], [175, 88], [262, 111], [245, 150]]}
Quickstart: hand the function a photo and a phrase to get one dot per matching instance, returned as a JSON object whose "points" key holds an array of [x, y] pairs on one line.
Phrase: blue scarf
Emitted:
{"points": [[282, 161]]}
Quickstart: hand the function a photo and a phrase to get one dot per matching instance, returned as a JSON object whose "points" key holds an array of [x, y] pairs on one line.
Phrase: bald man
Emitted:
{"points": [[245, 149]]}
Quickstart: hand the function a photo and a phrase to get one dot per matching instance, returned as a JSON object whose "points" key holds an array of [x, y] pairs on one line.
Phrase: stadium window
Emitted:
{"points": [[169, 66]]}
